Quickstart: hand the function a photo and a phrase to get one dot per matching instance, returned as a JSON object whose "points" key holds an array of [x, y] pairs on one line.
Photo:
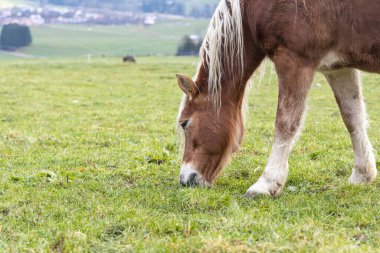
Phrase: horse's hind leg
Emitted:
{"points": [[346, 85], [294, 83]]}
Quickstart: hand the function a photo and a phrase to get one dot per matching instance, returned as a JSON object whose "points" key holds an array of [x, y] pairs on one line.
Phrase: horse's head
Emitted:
{"points": [[211, 134], [210, 114]]}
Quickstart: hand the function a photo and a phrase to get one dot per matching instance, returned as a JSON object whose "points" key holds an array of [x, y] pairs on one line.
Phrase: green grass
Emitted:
{"points": [[52, 41], [88, 163]]}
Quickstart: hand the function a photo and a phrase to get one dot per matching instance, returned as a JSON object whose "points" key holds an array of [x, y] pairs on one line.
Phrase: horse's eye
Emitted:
{"points": [[185, 124]]}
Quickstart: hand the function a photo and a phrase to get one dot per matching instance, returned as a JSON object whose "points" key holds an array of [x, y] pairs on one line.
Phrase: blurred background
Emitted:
{"points": [[102, 28]]}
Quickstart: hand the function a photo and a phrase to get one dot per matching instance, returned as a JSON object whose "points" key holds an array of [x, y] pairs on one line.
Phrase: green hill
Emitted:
{"points": [[80, 41]]}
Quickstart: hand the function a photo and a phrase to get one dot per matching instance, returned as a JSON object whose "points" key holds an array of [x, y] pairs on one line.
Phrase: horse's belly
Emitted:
{"points": [[367, 61], [331, 61]]}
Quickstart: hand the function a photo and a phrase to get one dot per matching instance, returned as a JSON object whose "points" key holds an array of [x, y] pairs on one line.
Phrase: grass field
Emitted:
{"points": [[89, 163], [52, 41]]}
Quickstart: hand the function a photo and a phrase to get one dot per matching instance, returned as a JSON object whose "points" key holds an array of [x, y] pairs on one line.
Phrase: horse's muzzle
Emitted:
{"points": [[190, 180], [190, 177]]}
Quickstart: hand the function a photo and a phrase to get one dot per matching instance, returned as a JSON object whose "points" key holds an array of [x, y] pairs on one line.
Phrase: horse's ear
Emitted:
{"points": [[187, 85]]}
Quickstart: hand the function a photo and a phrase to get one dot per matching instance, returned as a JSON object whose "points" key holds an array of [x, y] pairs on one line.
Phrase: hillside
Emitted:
{"points": [[63, 40], [109, 41]]}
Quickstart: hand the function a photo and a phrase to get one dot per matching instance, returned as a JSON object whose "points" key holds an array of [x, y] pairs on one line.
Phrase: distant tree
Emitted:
{"points": [[176, 7], [153, 5], [66, 2], [203, 11], [189, 46], [43, 2], [14, 36]]}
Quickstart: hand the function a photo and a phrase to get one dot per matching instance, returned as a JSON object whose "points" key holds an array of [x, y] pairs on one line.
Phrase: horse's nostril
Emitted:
{"points": [[192, 179]]}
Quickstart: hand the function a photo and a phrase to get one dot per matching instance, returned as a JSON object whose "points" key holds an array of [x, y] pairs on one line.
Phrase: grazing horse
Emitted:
{"points": [[300, 37]]}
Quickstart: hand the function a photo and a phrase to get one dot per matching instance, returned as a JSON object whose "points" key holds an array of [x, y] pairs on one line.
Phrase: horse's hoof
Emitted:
{"points": [[264, 187], [255, 190], [365, 174], [358, 177]]}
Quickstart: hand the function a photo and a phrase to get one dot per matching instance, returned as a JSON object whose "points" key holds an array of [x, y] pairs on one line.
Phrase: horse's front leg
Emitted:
{"points": [[295, 77]]}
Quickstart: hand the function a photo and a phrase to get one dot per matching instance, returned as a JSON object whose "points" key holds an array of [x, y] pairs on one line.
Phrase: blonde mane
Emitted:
{"points": [[223, 48]]}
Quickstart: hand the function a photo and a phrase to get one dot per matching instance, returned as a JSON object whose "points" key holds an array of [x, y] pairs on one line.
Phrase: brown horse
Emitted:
{"points": [[300, 37]]}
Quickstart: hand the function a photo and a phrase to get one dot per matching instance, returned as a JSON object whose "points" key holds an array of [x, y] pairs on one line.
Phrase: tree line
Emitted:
{"points": [[163, 6]]}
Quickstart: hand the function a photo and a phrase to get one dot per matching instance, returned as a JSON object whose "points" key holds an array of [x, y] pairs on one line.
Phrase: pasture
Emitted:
{"points": [[79, 41], [89, 163]]}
